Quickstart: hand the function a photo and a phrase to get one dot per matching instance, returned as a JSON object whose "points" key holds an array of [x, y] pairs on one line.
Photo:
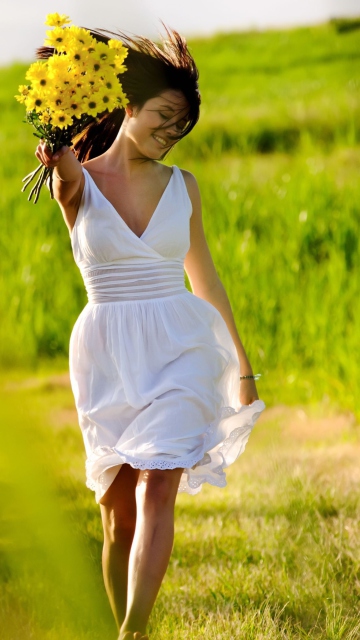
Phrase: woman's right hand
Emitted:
{"points": [[47, 157]]}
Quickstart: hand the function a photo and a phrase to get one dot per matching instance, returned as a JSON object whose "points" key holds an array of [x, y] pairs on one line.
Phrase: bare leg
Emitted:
{"points": [[152, 545], [118, 513]]}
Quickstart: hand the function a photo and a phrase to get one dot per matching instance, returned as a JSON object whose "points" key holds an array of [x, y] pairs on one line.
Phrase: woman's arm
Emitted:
{"points": [[68, 179], [206, 284]]}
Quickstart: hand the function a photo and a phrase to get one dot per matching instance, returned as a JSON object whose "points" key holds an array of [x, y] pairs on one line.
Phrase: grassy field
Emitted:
{"points": [[274, 555], [277, 156]]}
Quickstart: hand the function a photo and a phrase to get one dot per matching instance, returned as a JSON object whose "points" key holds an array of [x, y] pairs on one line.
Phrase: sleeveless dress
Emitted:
{"points": [[153, 368]]}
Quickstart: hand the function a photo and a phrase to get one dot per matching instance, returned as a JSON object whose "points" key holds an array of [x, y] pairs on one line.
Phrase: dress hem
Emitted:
{"points": [[214, 475]]}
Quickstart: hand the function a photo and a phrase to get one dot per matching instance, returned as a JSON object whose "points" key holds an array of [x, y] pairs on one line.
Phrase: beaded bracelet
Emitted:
{"points": [[253, 377]]}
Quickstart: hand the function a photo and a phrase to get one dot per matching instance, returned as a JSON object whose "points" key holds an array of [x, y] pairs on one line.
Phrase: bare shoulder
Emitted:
{"points": [[192, 188], [190, 180]]}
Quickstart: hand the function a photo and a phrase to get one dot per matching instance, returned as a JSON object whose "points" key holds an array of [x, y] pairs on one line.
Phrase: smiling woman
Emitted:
{"points": [[154, 368]]}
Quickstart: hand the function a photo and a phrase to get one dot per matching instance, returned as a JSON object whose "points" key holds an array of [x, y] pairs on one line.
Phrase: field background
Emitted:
{"points": [[275, 555]]}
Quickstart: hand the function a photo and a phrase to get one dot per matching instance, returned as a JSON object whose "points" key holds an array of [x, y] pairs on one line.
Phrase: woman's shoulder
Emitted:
{"points": [[190, 181]]}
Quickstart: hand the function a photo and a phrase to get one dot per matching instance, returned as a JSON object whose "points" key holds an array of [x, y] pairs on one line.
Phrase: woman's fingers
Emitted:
{"points": [[47, 157]]}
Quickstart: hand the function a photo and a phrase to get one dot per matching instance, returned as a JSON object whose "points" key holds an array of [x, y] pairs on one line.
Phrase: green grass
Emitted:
{"points": [[273, 555]]}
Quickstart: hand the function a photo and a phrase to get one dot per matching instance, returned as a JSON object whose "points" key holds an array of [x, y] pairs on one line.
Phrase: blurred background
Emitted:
{"points": [[22, 23], [277, 157]]}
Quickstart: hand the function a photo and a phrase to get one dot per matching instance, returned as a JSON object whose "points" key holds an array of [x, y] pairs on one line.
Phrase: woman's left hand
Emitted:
{"points": [[248, 393]]}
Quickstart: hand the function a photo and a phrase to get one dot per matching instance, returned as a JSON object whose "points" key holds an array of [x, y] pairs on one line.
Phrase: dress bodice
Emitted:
{"points": [[100, 236]]}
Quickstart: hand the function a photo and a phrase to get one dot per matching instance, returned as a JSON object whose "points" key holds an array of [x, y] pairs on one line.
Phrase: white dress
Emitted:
{"points": [[154, 370]]}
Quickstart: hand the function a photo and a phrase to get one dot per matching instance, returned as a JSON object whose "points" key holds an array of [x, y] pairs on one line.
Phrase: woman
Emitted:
{"points": [[154, 368]]}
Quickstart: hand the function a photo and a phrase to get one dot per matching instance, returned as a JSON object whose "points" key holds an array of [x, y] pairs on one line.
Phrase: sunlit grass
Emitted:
{"points": [[273, 555]]}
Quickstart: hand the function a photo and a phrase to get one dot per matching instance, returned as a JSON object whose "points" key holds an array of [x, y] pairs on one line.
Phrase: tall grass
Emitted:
{"points": [[277, 155]]}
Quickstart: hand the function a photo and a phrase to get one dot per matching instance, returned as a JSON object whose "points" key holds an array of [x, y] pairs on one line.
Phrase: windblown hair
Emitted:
{"points": [[150, 70]]}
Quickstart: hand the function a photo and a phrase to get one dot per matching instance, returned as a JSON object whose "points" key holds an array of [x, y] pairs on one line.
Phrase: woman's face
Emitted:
{"points": [[157, 125]]}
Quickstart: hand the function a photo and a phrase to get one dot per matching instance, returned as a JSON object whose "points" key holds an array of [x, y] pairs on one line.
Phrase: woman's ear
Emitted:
{"points": [[129, 110]]}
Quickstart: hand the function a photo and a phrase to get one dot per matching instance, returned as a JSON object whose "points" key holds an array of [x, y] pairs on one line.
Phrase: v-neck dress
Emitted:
{"points": [[153, 368]]}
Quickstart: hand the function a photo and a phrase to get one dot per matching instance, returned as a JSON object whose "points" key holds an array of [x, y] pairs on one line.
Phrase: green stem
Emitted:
{"points": [[39, 180], [51, 171], [40, 184], [32, 174]]}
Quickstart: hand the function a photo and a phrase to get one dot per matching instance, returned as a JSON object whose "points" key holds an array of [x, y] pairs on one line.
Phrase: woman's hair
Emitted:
{"points": [[150, 70]]}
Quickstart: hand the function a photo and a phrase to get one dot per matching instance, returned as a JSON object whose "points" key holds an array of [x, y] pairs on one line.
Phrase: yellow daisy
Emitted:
{"points": [[20, 98], [58, 38], [118, 46], [82, 38], [78, 104], [24, 92], [60, 101], [45, 118], [58, 67], [104, 53], [37, 71], [78, 58], [57, 20], [35, 101], [107, 99], [93, 105], [118, 65], [61, 119]]}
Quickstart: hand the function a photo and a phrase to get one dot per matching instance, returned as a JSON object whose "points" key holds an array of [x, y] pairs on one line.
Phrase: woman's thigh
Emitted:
{"points": [[118, 504]]}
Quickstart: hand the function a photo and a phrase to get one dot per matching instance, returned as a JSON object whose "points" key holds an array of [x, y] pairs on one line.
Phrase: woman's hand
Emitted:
{"points": [[47, 157], [248, 393]]}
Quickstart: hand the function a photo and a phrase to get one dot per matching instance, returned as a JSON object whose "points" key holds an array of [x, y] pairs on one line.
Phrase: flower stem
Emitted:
{"points": [[31, 176]]}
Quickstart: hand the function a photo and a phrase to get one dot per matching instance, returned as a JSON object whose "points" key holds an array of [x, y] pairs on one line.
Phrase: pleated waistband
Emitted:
{"points": [[112, 283]]}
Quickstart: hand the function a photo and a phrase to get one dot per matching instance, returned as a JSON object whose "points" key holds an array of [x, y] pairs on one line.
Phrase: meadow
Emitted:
{"points": [[276, 554]]}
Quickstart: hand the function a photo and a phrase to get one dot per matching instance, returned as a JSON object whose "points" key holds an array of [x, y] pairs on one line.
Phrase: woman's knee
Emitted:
{"points": [[157, 488], [118, 525]]}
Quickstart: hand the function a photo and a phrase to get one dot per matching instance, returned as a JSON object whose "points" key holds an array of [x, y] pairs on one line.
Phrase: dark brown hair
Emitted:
{"points": [[150, 70]]}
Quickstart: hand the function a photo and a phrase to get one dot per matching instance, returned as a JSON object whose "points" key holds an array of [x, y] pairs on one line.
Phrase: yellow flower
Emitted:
{"points": [[118, 46], [24, 89], [58, 38], [45, 118], [78, 104], [118, 64], [60, 101], [57, 20], [24, 92], [93, 105], [95, 66], [104, 53], [37, 71], [58, 67], [60, 119], [35, 100], [77, 58], [107, 99], [82, 38], [21, 99]]}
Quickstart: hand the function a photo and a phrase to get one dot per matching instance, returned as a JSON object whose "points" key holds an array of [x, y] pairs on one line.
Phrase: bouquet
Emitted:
{"points": [[70, 89]]}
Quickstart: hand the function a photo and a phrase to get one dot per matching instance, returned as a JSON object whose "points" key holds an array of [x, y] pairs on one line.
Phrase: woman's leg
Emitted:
{"points": [[152, 544], [118, 513]]}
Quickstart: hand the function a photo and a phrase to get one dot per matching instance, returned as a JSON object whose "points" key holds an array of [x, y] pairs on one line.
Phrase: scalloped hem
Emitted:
{"points": [[207, 466]]}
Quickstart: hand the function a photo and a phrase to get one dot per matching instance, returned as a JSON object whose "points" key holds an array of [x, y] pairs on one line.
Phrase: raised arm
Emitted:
{"points": [[206, 284], [68, 179]]}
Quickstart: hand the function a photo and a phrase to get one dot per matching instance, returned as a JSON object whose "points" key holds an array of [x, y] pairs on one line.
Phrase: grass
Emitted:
{"points": [[273, 555]]}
